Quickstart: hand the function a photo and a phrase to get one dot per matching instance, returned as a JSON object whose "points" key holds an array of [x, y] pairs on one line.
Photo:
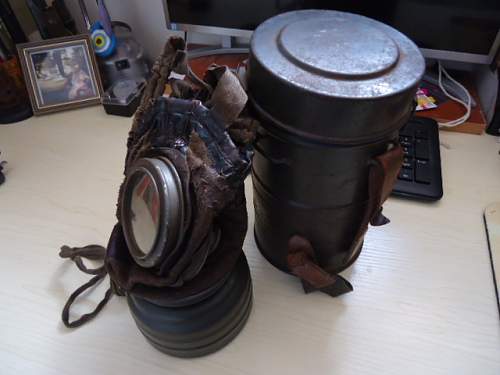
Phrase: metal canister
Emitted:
{"points": [[331, 90]]}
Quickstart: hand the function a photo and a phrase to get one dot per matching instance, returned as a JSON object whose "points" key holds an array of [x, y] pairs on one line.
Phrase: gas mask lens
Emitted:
{"points": [[145, 212], [152, 210]]}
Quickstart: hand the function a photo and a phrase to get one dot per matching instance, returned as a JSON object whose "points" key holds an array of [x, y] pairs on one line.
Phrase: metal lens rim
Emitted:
{"points": [[165, 178], [175, 203]]}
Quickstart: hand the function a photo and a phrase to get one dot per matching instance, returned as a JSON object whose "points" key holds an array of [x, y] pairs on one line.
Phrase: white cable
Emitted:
{"points": [[467, 105]]}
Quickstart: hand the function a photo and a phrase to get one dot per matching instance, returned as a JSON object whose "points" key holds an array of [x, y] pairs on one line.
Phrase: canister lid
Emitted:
{"points": [[337, 54]]}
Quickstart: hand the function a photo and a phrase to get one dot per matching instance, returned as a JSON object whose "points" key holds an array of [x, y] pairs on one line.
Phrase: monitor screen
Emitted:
{"points": [[462, 26]]}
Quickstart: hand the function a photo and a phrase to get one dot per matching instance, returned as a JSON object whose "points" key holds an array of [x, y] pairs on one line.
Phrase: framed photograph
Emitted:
{"points": [[60, 73]]}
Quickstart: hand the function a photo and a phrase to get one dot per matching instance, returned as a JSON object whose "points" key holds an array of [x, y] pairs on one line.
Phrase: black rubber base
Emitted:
{"points": [[202, 328]]}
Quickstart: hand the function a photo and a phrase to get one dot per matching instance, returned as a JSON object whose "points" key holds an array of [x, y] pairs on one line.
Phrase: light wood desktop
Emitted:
{"points": [[423, 300]]}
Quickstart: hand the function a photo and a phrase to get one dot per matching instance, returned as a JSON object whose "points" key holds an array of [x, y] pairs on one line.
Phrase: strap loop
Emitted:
{"points": [[301, 258], [92, 252], [302, 263]]}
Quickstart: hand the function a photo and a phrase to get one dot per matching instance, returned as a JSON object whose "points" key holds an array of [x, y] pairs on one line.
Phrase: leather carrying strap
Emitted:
{"points": [[301, 258], [91, 252], [302, 263]]}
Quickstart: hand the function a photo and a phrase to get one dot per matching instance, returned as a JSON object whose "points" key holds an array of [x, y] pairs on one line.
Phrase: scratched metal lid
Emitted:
{"points": [[338, 54], [330, 55]]}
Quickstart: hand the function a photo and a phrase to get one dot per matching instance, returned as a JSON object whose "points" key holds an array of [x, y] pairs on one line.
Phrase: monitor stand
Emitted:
{"points": [[227, 46]]}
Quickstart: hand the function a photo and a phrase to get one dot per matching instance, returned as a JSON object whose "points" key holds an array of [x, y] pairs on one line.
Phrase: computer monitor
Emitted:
{"points": [[456, 30]]}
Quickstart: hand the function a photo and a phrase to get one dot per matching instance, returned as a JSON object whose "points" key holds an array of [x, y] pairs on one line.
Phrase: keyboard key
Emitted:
{"points": [[422, 149], [405, 174], [422, 172], [407, 166], [408, 151], [405, 140], [408, 163], [406, 131], [421, 133]]}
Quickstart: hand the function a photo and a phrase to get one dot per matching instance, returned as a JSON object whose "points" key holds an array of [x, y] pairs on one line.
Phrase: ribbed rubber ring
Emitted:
{"points": [[202, 328]]}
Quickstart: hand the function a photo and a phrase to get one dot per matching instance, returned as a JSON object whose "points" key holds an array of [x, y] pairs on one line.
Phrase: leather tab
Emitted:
{"points": [[301, 259], [384, 170], [339, 287], [379, 219], [228, 98], [302, 263], [383, 174]]}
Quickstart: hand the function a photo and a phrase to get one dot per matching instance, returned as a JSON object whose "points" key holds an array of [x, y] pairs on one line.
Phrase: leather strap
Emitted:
{"points": [[302, 263], [301, 259], [92, 252], [384, 170]]}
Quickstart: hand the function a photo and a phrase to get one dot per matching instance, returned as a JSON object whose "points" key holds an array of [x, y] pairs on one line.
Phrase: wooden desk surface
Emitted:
{"points": [[423, 302]]}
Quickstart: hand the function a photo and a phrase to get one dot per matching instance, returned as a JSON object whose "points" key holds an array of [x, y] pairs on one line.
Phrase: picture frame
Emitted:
{"points": [[60, 73]]}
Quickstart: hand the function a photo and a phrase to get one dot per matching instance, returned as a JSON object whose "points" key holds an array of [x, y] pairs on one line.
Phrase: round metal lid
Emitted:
{"points": [[337, 54]]}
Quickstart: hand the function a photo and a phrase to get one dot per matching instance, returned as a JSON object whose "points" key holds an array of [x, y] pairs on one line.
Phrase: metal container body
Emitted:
{"points": [[331, 91], [313, 190]]}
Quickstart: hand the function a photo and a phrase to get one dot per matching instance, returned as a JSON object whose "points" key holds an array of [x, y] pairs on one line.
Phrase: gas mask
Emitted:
{"points": [[176, 251]]}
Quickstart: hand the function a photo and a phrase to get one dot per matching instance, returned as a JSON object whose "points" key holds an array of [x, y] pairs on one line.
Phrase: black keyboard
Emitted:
{"points": [[420, 175]]}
